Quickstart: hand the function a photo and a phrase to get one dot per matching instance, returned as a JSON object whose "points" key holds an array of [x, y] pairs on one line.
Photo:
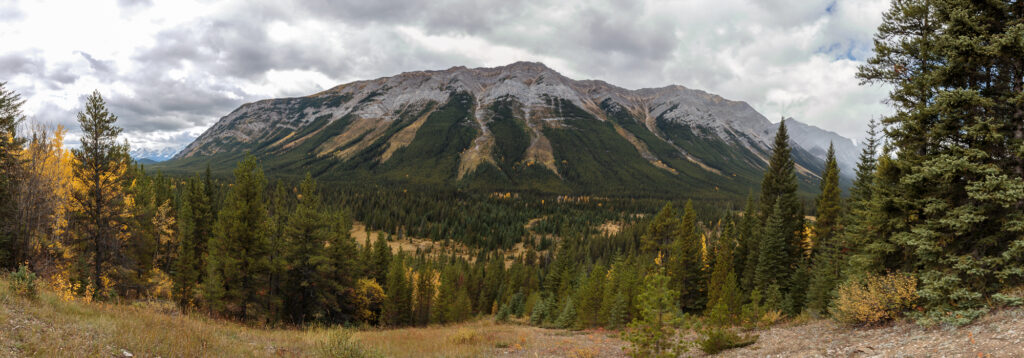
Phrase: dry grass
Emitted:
{"points": [[486, 338], [49, 327]]}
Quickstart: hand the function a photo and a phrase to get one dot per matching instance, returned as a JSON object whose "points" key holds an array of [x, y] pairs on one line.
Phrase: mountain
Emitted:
{"points": [[518, 127], [154, 154], [816, 140]]}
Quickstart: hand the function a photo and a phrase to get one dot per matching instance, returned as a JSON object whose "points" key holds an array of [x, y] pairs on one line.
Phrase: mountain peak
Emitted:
{"points": [[527, 66]]}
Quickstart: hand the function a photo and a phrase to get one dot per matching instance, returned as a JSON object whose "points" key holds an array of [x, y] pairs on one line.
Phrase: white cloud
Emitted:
{"points": [[172, 68]]}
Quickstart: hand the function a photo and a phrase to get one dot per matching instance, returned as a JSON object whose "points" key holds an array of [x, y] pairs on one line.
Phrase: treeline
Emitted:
{"points": [[489, 222]]}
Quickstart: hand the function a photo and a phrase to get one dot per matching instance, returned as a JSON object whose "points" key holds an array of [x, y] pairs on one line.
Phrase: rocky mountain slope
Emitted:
{"points": [[516, 127]]}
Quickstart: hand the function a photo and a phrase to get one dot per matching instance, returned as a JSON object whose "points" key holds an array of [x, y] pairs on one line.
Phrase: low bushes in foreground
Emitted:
{"points": [[874, 299], [24, 282]]}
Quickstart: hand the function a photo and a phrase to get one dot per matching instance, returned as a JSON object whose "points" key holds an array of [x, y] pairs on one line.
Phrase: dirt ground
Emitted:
{"points": [[1000, 334]]}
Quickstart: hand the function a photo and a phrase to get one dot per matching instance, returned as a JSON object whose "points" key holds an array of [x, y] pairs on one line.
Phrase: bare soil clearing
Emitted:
{"points": [[1000, 334]]}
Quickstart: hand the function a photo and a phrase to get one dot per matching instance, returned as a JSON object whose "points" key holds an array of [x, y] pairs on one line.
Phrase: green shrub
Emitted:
{"points": [[503, 313], [717, 334], [24, 282], [874, 299], [717, 339]]}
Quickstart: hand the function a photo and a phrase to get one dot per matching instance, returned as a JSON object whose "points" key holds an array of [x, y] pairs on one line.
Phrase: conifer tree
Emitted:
{"points": [[591, 294], [858, 228], [567, 315], [12, 246], [238, 267], [750, 234], [954, 191], [662, 231], [318, 254], [619, 290], [447, 293], [102, 213], [773, 264], [279, 209], [685, 264], [723, 286], [381, 260], [780, 184], [492, 280], [188, 265], [397, 308], [424, 296], [652, 334], [826, 259]]}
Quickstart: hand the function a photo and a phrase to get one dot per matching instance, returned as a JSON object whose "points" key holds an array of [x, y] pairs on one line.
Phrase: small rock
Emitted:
{"points": [[126, 353]]}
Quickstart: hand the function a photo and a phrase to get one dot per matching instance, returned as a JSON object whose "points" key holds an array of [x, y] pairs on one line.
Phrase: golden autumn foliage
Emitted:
{"points": [[45, 197], [368, 298], [875, 299]]}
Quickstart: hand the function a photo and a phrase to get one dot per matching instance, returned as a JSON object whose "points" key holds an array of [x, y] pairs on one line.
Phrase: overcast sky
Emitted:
{"points": [[170, 69]]}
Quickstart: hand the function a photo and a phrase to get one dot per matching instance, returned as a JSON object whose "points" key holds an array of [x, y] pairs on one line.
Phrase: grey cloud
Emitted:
{"points": [[60, 75], [52, 115], [101, 66], [17, 64], [9, 11], [134, 3]]}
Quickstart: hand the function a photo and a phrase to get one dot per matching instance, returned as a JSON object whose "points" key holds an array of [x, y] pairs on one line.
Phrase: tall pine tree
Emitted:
{"points": [[102, 210], [238, 268], [13, 246], [826, 259], [781, 249], [685, 263]]}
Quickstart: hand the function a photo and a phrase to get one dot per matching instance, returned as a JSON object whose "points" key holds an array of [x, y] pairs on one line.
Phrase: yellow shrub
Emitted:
{"points": [[464, 336], [583, 353], [160, 285], [771, 317], [67, 290], [874, 299]]}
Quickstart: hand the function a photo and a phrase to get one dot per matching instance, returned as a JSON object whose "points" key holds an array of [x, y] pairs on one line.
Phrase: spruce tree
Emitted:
{"points": [[652, 333], [774, 263], [780, 184], [826, 259], [13, 247], [424, 297], [318, 254], [955, 180], [591, 295], [102, 211], [779, 202], [238, 267], [685, 264], [750, 234], [723, 286], [188, 267], [858, 229], [397, 308], [381, 260], [663, 230]]}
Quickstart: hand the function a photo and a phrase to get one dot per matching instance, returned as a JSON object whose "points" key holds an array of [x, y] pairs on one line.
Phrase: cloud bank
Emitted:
{"points": [[170, 69]]}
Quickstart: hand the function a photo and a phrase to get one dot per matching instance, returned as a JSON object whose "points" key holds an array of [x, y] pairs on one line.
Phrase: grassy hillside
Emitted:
{"points": [[50, 327]]}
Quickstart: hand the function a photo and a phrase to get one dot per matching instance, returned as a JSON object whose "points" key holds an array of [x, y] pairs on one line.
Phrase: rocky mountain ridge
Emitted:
{"points": [[518, 119]]}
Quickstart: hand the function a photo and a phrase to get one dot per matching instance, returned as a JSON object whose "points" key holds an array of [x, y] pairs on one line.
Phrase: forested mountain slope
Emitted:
{"points": [[521, 127]]}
